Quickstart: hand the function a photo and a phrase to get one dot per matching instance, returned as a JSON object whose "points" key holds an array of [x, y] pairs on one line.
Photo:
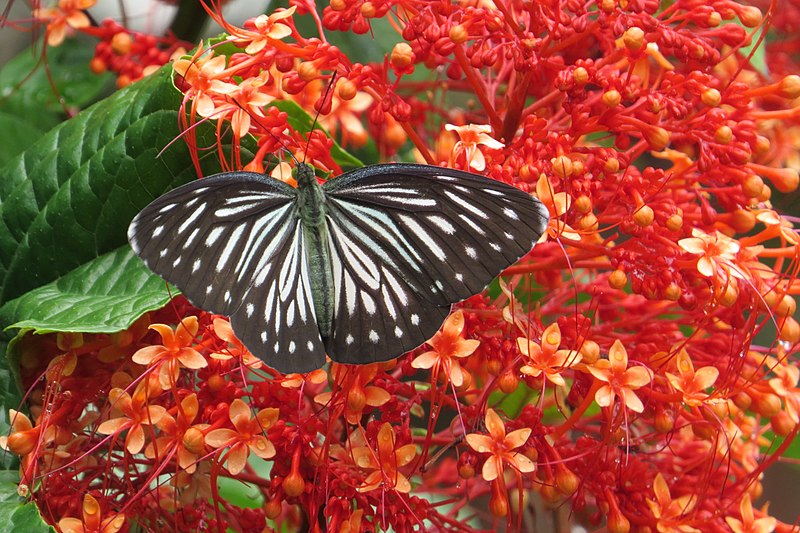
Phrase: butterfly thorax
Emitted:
{"points": [[311, 210]]}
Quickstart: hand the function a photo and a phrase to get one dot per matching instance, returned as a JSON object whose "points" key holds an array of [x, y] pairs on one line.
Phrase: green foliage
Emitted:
{"points": [[104, 295], [31, 85]]}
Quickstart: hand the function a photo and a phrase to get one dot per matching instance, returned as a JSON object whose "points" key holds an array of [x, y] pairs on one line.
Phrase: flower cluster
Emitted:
{"points": [[634, 366]]}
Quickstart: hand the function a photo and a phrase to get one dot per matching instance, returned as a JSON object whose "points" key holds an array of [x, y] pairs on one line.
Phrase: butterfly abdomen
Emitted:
{"points": [[311, 209]]}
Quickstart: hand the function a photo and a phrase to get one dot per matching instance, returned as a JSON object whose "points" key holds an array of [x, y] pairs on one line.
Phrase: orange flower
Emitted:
{"points": [[247, 437], [472, 137], [670, 513], [448, 346], [354, 380], [785, 386], [24, 436], [69, 13], [546, 358], [557, 205], [716, 252], [93, 521], [347, 115], [748, 523], [620, 380], [136, 414], [266, 28], [245, 99], [174, 353], [180, 436], [690, 382], [235, 349], [204, 73], [501, 446], [385, 463]]}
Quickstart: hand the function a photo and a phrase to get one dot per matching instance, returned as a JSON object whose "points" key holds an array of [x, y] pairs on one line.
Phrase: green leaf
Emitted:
{"points": [[70, 197], [302, 121], [15, 514], [103, 296], [10, 400], [32, 82]]}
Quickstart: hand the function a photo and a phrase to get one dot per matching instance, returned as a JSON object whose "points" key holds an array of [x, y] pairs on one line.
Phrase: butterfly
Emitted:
{"points": [[363, 267]]}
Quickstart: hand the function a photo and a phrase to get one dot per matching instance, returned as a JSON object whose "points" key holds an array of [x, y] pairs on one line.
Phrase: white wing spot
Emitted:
{"points": [[189, 221], [508, 236], [276, 347], [424, 236], [415, 319], [443, 224], [250, 310], [459, 276], [463, 202], [373, 336], [209, 289], [471, 252], [264, 336], [496, 247], [292, 346], [398, 332], [310, 346], [163, 253], [349, 339], [158, 231], [227, 296], [510, 213], [369, 303], [176, 262], [196, 265], [213, 236]]}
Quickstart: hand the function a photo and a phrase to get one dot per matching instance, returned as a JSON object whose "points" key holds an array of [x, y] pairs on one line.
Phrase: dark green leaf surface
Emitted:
{"points": [[69, 198], [103, 296]]}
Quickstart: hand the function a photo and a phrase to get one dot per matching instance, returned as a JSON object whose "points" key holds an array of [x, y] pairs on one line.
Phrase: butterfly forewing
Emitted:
{"points": [[409, 240], [233, 244]]}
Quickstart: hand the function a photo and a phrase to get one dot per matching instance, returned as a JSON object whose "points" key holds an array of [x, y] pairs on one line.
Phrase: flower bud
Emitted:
{"points": [[293, 484], [590, 351], [782, 424], [121, 43], [711, 97], [789, 87], [458, 34], [675, 222], [644, 216], [611, 98], [723, 135], [562, 166], [347, 90], [750, 16], [790, 330], [633, 38], [583, 204], [617, 279], [402, 56], [580, 75]]}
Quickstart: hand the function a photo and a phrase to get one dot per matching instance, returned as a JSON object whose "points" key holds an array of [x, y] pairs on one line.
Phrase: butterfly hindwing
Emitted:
{"points": [[410, 240], [233, 244]]}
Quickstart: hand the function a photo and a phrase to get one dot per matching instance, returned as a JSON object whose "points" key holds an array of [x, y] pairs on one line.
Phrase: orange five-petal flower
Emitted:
{"points": [[472, 137], [501, 446], [136, 414], [620, 380], [248, 435], [546, 358], [176, 351], [448, 346], [385, 463], [692, 383]]}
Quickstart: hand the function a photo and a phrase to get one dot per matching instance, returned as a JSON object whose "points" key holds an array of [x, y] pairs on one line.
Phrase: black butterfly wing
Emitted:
{"points": [[409, 240], [234, 245]]}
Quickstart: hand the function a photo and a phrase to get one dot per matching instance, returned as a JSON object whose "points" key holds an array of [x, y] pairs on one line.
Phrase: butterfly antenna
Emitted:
{"points": [[316, 117]]}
